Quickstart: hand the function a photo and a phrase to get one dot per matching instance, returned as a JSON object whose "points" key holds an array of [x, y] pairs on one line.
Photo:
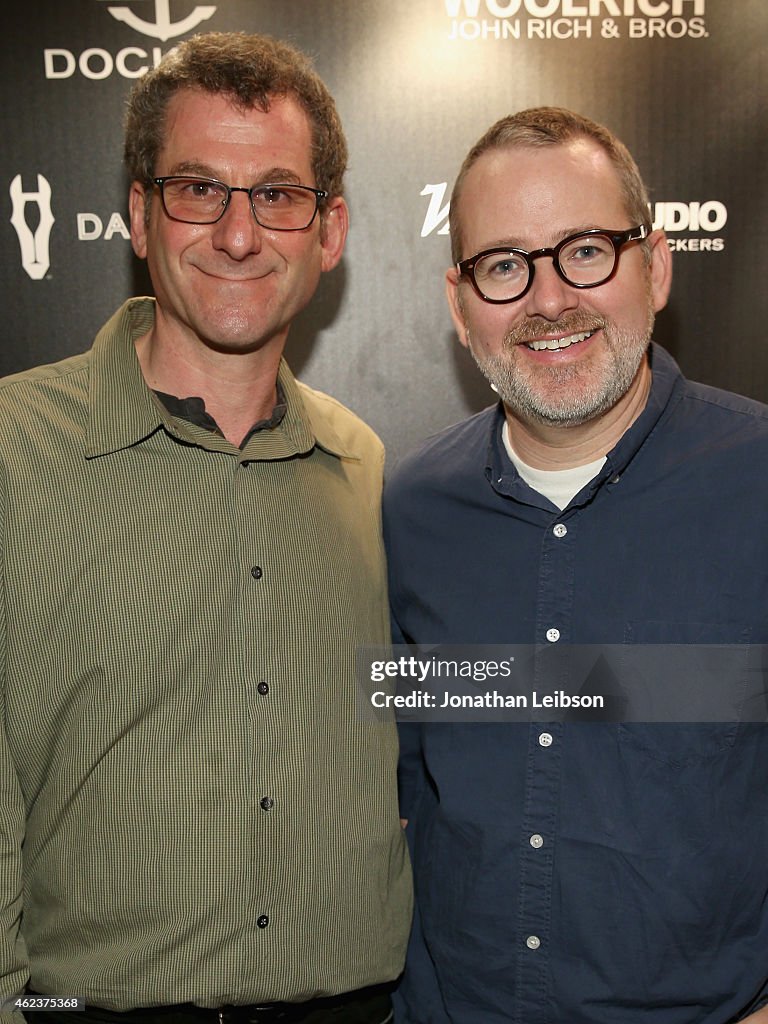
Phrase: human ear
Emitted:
{"points": [[455, 305], [660, 269], [333, 232], [137, 208]]}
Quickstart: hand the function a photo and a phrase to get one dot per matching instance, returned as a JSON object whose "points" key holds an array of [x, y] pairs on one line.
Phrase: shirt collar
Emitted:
{"points": [[304, 426], [666, 389], [124, 411], [192, 409]]}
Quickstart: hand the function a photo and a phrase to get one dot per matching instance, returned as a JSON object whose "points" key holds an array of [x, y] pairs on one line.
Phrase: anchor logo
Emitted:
{"points": [[162, 27], [34, 246]]}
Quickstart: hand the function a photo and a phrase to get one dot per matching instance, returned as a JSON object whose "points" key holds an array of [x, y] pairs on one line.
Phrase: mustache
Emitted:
{"points": [[537, 328]]}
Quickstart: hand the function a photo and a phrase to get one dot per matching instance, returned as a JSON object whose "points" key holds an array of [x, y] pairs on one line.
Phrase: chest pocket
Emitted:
{"points": [[696, 684]]}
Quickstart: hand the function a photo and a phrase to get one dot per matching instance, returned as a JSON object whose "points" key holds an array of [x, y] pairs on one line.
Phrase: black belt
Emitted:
{"points": [[370, 1000]]}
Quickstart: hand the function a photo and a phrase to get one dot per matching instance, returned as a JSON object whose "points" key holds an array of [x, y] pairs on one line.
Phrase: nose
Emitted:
{"points": [[238, 233], [549, 295]]}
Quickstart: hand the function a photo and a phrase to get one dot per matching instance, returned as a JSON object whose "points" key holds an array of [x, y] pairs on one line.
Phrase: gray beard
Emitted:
{"points": [[554, 395]]}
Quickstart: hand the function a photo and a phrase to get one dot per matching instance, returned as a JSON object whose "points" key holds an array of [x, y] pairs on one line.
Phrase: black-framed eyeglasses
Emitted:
{"points": [[275, 206], [584, 260]]}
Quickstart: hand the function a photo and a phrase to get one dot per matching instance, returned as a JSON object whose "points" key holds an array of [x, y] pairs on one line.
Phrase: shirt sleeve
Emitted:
{"points": [[410, 768], [14, 966], [417, 998]]}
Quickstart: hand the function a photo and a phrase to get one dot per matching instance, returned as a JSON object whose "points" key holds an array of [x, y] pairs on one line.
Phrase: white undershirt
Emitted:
{"points": [[558, 485]]}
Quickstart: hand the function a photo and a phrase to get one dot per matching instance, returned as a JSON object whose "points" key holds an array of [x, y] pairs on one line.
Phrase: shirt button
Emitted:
{"points": [[256, 572], [560, 530], [263, 688], [266, 803], [615, 479], [545, 739], [262, 921], [553, 635], [536, 841], [533, 942]]}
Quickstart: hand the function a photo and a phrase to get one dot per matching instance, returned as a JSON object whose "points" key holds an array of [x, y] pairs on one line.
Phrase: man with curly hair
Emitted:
{"points": [[196, 827]]}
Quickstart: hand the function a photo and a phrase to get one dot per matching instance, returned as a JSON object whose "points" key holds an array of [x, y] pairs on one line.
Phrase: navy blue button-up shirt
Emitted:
{"points": [[590, 872]]}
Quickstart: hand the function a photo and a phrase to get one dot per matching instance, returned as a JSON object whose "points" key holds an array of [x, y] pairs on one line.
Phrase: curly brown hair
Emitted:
{"points": [[251, 69]]}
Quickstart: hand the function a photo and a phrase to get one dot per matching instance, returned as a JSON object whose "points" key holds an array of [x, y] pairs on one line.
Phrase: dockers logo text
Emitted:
{"points": [[162, 27], [96, 63], [35, 258]]}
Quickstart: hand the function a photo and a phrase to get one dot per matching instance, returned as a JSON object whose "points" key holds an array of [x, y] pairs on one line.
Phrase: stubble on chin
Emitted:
{"points": [[572, 393]]}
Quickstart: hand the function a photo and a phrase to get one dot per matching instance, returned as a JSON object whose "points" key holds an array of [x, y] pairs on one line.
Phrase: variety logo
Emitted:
{"points": [[574, 19], [162, 27], [97, 63], [35, 256], [437, 213]]}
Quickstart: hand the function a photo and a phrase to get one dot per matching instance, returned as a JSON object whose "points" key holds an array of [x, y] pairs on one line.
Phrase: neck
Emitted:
{"points": [[565, 447], [238, 388]]}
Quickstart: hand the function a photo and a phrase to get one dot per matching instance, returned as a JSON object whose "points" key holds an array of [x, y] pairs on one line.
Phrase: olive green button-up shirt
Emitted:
{"points": [[190, 808]]}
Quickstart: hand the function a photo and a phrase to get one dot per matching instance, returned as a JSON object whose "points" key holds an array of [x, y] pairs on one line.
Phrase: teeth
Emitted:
{"points": [[558, 343]]}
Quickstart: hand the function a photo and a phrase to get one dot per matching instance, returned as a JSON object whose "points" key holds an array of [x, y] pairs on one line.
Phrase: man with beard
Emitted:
{"points": [[583, 871]]}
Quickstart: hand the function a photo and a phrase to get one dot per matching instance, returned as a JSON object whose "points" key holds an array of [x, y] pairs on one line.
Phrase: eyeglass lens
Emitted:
{"points": [[587, 260], [200, 201]]}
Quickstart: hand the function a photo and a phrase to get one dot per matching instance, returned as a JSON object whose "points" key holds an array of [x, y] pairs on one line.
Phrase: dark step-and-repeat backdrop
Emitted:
{"points": [[683, 82]]}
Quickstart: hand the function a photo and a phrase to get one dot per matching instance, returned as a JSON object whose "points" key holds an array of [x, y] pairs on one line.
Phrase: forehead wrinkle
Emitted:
{"points": [[273, 175], [194, 167]]}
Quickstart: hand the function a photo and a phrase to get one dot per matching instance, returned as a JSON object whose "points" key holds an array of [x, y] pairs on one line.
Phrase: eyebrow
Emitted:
{"points": [[273, 175], [507, 243]]}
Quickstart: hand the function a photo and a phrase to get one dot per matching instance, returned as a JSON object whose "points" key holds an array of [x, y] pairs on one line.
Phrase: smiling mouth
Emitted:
{"points": [[237, 279], [556, 344]]}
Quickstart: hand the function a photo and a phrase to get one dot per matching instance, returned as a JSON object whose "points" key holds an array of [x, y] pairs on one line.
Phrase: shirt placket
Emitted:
{"points": [[538, 853]]}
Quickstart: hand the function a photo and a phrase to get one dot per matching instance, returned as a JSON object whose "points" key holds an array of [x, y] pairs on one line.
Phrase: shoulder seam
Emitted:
{"points": [[33, 375], [755, 409]]}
